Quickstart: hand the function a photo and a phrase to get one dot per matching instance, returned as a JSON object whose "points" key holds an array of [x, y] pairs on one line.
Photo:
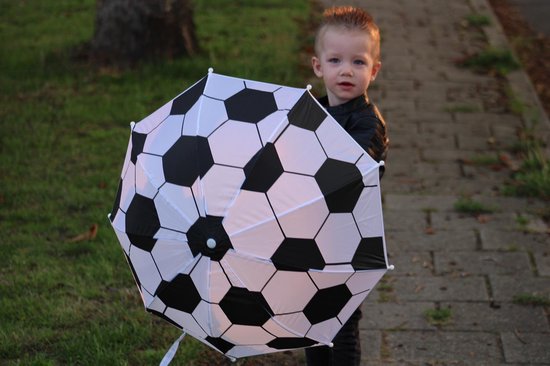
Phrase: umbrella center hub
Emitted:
{"points": [[208, 237], [211, 243]]}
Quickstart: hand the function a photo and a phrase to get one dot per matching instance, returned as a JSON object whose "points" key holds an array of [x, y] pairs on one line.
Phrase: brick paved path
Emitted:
{"points": [[440, 116]]}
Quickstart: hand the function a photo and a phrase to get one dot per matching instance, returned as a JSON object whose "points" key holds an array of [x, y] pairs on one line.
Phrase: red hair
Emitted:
{"points": [[349, 18]]}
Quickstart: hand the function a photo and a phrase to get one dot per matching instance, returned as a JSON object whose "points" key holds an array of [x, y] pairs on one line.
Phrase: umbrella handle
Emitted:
{"points": [[172, 351]]}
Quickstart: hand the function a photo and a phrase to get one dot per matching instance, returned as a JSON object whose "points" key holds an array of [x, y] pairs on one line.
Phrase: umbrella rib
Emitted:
{"points": [[280, 134], [321, 144], [217, 128], [166, 200], [281, 215], [199, 183]]}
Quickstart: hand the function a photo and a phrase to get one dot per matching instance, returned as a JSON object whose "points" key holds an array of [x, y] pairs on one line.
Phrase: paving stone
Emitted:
{"points": [[419, 202], [445, 128], [542, 261], [485, 118], [370, 362], [371, 342], [531, 223], [438, 241], [512, 204], [506, 131], [431, 88], [407, 85], [440, 288], [442, 186], [424, 169], [411, 264], [405, 221], [403, 154], [396, 316], [531, 348], [443, 348], [400, 158], [461, 76], [470, 142], [404, 105], [402, 185], [429, 103], [431, 116], [482, 262], [469, 316], [504, 288], [403, 64], [447, 154], [508, 238], [488, 223], [498, 175]]}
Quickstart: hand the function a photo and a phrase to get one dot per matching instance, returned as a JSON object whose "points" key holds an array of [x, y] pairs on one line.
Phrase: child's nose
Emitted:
{"points": [[346, 69]]}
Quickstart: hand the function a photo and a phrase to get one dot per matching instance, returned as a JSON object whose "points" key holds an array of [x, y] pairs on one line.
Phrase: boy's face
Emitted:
{"points": [[346, 63]]}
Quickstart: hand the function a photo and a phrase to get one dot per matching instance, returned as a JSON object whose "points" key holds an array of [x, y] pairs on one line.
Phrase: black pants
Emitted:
{"points": [[346, 350]]}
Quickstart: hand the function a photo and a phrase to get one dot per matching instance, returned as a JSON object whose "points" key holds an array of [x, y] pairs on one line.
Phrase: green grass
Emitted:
{"points": [[533, 177], [386, 290], [490, 60], [478, 20], [469, 206], [440, 316], [65, 128], [522, 221], [531, 299], [484, 159]]}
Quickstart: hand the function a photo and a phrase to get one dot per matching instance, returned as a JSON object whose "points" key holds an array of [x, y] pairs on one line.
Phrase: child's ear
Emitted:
{"points": [[375, 69], [316, 65]]}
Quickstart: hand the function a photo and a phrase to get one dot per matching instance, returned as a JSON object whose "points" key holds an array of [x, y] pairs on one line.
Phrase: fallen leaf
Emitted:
{"points": [[429, 230], [483, 219], [88, 235], [509, 162]]}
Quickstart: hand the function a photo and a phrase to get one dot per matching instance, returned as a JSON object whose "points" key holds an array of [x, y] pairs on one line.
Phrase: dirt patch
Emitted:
{"points": [[531, 47]]}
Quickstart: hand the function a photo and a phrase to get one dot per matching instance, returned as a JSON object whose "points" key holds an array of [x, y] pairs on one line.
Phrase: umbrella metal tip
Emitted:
{"points": [[331, 344], [308, 87], [211, 243], [210, 70], [132, 124], [391, 267]]}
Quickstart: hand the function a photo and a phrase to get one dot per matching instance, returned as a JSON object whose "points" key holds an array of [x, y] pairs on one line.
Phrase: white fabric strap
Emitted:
{"points": [[171, 352]]}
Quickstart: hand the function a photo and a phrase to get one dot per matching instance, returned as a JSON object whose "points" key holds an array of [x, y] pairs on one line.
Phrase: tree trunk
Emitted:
{"points": [[129, 31]]}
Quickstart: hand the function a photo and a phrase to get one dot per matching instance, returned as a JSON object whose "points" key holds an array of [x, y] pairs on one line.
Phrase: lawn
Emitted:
{"points": [[65, 128]]}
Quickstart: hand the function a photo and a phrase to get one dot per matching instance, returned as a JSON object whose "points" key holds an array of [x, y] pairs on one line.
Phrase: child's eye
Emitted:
{"points": [[333, 60], [359, 62]]}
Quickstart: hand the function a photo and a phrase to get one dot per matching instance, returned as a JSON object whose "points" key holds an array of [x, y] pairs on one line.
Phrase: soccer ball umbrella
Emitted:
{"points": [[250, 219]]}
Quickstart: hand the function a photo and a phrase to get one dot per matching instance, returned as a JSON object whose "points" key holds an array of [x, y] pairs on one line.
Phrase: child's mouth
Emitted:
{"points": [[346, 85]]}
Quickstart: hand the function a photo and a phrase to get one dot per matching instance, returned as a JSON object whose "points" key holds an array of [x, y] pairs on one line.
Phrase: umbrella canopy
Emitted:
{"points": [[249, 217]]}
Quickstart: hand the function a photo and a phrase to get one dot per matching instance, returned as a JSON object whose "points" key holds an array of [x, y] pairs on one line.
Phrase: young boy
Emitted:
{"points": [[347, 58]]}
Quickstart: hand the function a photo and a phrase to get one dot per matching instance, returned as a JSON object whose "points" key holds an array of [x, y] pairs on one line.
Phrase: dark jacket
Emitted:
{"points": [[364, 123]]}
